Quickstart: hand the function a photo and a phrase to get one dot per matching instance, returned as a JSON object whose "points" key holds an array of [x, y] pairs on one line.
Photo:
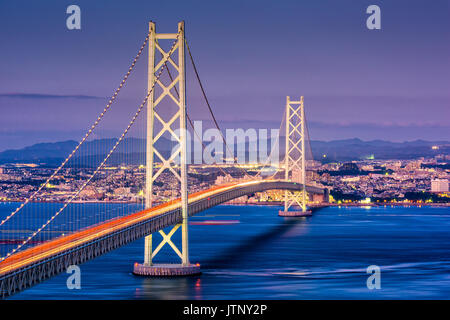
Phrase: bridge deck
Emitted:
{"points": [[97, 238]]}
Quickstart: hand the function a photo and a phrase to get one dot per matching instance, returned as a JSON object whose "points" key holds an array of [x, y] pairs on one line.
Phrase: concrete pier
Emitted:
{"points": [[306, 213], [166, 270]]}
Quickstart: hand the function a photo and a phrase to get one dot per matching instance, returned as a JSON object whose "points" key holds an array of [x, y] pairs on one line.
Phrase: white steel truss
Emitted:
{"points": [[295, 153], [178, 170]]}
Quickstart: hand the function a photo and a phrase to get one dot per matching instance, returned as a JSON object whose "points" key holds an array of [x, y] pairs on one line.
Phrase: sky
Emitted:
{"points": [[389, 84]]}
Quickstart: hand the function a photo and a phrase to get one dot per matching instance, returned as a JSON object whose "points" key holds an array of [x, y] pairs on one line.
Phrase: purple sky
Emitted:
{"points": [[387, 84]]}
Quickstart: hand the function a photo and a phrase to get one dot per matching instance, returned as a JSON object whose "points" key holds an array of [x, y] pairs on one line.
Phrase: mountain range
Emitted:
{"points": [[129, 150]]}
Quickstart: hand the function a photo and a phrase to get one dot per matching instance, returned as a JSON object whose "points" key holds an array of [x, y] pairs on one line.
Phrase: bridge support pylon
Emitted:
{"points": [[179, 171], [295, 170]]}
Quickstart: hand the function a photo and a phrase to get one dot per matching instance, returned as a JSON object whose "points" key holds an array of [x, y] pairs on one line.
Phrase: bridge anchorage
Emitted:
{"points": [[294, 161], [148, 268]]}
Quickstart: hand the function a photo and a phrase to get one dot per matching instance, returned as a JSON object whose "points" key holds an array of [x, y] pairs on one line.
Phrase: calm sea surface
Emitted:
{"points": [[258, 255]]}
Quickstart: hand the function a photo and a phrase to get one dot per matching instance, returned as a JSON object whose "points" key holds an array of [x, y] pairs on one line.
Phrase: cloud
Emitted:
{"points": [[47, 96]]}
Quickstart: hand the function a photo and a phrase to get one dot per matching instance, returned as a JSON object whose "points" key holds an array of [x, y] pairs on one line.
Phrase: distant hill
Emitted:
{"points": [[93, 152], [356, 149], [90, 153], [39, 153]]}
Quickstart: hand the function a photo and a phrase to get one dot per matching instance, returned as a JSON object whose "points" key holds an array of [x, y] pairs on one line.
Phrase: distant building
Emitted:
{"points": [[223, 179], [351, 179], [413, 165], [90, 192], [122, 191], [439, 185]]}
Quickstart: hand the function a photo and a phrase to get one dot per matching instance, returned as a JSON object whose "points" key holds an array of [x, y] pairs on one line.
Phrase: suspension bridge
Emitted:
{"points": [[51, 241]]}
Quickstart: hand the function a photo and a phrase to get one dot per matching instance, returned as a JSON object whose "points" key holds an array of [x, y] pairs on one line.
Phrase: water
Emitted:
{"points": [[262, 256]]}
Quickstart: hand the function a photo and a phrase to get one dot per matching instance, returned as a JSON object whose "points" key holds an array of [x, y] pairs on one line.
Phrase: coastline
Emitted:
{"points": [[267, 203], [383, 204]]}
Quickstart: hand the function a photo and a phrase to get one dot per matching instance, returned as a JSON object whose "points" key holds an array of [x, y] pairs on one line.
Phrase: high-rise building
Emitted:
{"points": [[439, 185]]}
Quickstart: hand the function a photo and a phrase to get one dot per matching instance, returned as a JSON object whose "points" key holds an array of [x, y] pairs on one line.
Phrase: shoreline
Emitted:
{"points": [[384, 204], [268, 203]]}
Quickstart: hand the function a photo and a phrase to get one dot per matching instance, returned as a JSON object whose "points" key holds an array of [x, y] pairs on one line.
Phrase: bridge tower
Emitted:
{"points": [[295, 158], [179, 171]]}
